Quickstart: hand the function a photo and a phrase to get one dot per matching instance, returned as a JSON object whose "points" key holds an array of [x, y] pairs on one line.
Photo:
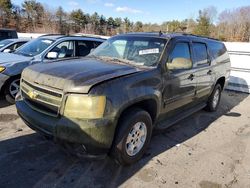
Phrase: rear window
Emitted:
{"points": [[7, 34]]}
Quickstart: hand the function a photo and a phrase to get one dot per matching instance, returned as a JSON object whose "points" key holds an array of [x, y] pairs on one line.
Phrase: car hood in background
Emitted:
{"points": [[7, 59]]}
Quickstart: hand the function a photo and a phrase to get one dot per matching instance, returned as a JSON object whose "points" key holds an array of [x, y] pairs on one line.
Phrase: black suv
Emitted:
{"points": [[8, 34], [131, 84]]}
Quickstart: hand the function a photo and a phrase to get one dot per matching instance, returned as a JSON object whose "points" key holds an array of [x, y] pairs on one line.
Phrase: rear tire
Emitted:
{"points": [[214, 99], [11, 89], [132, 137]]}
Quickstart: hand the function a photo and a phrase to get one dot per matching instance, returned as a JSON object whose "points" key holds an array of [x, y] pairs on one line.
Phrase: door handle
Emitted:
{"points": [[191, 77], [209, 72]]}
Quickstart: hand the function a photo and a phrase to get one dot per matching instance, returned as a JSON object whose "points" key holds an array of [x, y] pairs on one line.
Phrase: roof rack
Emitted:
{"points": [[90, 35], [190, 34]]}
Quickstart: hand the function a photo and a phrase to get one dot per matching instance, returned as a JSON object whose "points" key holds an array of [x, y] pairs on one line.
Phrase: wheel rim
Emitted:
{"points": [[14, 87], [136, 138], [216, 98]]}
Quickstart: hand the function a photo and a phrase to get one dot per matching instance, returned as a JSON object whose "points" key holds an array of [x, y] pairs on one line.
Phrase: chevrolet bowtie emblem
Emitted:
{"points": [[32, 94]]}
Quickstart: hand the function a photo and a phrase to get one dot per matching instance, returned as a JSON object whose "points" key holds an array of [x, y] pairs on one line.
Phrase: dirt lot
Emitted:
{"points": [[207, 150]]}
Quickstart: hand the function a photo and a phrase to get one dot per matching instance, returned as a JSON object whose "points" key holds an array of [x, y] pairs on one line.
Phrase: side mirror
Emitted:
{"points": [[7, 51], [52, 55], [179, 63]]}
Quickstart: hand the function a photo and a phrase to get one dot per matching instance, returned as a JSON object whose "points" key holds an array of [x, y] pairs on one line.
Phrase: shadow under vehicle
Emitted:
{"points": [[33, 156], [110, 101]]}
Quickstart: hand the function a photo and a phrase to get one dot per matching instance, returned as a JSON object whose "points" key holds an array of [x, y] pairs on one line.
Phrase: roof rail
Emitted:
{"points": [[51, 35]]}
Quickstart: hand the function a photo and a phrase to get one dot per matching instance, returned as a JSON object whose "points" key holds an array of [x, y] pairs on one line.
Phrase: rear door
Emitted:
{"points": [[179, 79], [203, 70]]}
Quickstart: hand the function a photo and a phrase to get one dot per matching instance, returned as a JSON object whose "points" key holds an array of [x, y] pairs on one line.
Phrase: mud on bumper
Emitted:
{"points": [[95, 136]]}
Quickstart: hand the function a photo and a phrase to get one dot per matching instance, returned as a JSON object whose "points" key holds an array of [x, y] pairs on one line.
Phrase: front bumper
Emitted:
{"points": [[95, 135], [3, 79]]}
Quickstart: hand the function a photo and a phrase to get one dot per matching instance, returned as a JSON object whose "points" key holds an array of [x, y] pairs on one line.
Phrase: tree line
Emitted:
{"points": [[32, 16]]}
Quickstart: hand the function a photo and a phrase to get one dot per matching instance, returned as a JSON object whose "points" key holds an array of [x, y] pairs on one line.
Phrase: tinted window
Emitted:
{"points": [[200, 53], [180, 57], [84, 47], [217, 49], [6, 34], [96, 44]]}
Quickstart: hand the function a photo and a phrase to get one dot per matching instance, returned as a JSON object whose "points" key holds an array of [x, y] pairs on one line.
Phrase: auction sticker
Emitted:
{"points": [[149, 51]]}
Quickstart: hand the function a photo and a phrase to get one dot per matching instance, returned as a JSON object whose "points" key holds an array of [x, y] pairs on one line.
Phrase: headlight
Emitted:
{"points": [[86, 107], [2, 69]]}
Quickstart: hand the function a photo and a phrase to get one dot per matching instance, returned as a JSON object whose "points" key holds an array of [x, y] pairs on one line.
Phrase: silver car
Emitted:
{"points": [[10, 45], [41, 50]]}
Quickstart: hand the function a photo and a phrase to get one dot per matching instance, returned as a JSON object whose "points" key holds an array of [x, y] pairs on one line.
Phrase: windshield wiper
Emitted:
{"points": [[121, 61]]}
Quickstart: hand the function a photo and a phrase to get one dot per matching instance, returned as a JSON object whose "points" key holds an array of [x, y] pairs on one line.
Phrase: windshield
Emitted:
{"points": [[4, 43], [145, 51], [34, 47]]}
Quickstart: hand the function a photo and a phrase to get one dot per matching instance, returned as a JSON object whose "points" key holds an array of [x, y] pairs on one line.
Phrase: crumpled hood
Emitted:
{"points": [[75, 75], [8, 59]]}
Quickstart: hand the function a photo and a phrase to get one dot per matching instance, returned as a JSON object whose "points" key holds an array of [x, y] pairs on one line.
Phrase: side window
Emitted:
{"points": [[84, 47], [217, 49], [15, 46], [12, 47], [19, 44], [180, 57], [64, 49], [96, 44], [200, 54]]}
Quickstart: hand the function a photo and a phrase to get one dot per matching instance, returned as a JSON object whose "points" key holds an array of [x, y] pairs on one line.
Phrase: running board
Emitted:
{"points": [[164, 124]]}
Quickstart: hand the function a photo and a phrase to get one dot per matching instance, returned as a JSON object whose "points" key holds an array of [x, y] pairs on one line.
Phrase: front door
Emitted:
{"points": [[179, 79]]}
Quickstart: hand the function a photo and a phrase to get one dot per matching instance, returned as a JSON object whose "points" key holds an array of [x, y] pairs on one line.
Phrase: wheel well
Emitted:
{"points": [[148, 105], [221, 81], [7, 81]]}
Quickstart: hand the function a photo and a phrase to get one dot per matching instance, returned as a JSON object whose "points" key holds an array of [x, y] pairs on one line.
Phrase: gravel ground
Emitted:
{"points": [[206, 150]]}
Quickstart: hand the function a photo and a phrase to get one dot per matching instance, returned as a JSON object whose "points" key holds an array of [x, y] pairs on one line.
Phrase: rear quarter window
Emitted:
{"points": [[217, 49]]}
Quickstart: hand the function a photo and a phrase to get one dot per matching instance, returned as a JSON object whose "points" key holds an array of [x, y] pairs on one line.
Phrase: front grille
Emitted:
{"points": [[45, 100]]}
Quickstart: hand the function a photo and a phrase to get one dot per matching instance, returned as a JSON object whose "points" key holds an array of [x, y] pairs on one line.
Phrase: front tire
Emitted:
{"points": [[11, 89], [133, 136], [214, 99]]}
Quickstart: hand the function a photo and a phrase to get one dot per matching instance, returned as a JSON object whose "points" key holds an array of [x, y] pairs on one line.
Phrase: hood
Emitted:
{"points": [[7, 59], [77, 75]]}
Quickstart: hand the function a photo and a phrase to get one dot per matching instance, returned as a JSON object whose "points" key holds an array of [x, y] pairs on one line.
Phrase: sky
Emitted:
{"points": [[154, 11]]}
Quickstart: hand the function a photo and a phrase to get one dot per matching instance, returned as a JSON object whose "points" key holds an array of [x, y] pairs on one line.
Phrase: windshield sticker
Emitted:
{"points": [[47, 41], [1, 45], [149, 51]]}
